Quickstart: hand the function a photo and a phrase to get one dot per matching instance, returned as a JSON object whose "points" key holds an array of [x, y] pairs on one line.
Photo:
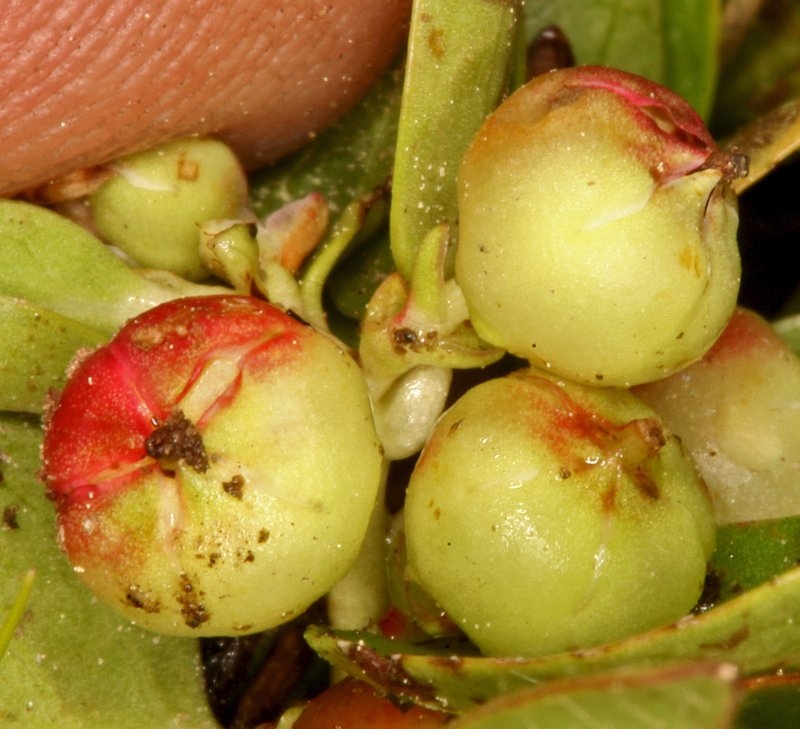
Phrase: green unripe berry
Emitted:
{"points": [[545, 516], [597, 234], [153, 207]]}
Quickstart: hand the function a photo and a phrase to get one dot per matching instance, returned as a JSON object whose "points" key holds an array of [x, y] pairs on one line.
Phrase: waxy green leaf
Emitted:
{"points": [[694, 696], [345, 162], [747, 555], [55, 264], [71, 662], [351, 286], [36, 346], [771, 702]]}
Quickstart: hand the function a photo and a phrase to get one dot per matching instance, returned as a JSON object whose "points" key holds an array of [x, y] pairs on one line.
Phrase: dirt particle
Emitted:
{"points": [[436, 43], [404, 337], [10, 517], [234, 487], [652, 433], [193, 611], [138, 598]]}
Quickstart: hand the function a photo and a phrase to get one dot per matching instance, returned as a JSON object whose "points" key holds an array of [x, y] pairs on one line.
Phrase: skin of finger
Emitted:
{"points": [[84, 82]]}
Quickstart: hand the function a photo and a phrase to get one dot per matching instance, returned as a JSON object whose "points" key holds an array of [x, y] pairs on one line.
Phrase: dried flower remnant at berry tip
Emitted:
{"points": [[177, 439]]}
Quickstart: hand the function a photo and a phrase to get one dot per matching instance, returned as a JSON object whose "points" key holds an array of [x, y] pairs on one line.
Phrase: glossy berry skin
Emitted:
{"points": [[546, 516], [597, 234], [213, 467]]}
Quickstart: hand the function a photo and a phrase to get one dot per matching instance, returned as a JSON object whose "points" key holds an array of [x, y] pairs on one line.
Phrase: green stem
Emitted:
{"points": [[458, 67], [360, 217]]}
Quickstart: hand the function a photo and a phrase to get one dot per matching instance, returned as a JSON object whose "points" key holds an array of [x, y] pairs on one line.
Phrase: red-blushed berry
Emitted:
{"points": [[213, 467]]}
